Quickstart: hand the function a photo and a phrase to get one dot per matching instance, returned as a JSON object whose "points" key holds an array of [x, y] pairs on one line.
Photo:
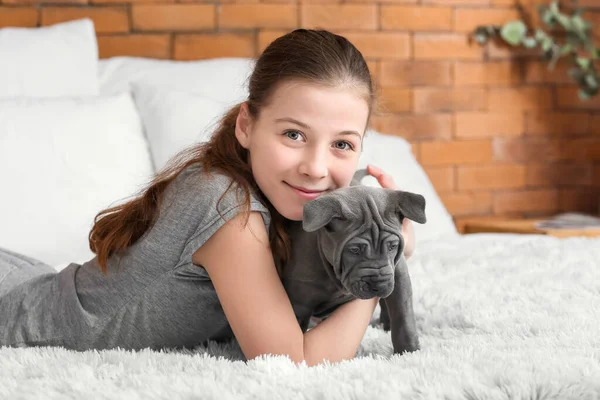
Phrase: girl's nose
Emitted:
{"points": [[314, 165]]}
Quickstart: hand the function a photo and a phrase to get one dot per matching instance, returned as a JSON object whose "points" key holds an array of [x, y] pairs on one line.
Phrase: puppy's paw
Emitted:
{"points": [[384, 320], [386, 325], [406, 346]]}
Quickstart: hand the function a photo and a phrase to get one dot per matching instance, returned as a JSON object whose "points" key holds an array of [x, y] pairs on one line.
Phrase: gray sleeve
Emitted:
{"points": [[196, 200]]}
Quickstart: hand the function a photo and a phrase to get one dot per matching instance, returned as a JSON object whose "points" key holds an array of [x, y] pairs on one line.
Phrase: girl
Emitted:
{"points": [[197, 255]]}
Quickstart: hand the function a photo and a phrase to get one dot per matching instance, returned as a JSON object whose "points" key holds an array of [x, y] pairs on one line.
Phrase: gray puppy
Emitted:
{"points": [[350, 245]]}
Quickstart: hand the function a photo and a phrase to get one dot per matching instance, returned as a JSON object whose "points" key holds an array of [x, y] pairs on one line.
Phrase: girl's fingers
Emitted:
{"points": [[384, 179]]}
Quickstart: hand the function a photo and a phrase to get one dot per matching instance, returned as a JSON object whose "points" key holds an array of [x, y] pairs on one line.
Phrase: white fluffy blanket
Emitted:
{"points": [[499, 317]]}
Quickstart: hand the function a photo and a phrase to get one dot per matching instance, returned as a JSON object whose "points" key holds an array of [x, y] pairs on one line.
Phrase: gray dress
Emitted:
{"points": [[153, 296]]}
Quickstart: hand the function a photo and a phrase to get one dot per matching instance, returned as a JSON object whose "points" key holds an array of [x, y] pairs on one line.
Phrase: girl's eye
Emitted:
{"points": [[344, 145], [294, 135]]}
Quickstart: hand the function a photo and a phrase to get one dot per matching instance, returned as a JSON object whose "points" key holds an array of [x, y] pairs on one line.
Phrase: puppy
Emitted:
{"points": [[350, 245]]}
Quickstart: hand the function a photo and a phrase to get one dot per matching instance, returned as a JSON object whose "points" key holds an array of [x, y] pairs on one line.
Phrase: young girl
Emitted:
{"points": [[197, 255]]}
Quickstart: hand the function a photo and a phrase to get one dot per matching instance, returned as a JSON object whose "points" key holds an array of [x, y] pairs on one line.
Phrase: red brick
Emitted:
{"points": [[11, 2], [106, 19], [592, 4], [456, 152], [580, 200], [385, 45], [559, 174], [467, 19], [442, 178], [498, 50], [491, 177], [407, 73], [151, 46], [517, 2], [131, 1], [173, 17], [520, 99], [448, 46], [595, 124], [338, 16], [557, 123], [481, 124], [440, 100], [545, 200], [21, 17], [487, 74], [593, 17], [416, 18], [458, 2], [431, 126], [525, 150], [257, 16], [539, 72], [202, 46], [467, 203], [265, 37], [545, 149], [597, 175], [365, 1], [375, 70], [396, 99], [567, 98]]}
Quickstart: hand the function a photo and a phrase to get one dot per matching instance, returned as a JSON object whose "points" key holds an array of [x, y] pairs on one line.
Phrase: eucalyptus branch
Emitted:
{"points": [[567, 36]]}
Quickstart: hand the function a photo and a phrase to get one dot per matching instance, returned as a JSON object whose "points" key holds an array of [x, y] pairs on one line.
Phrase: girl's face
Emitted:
{"points": [[304, 143]]}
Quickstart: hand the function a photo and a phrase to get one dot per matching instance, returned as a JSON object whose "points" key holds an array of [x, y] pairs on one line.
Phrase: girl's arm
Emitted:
{"points": [[240, 264], [339, 335]]}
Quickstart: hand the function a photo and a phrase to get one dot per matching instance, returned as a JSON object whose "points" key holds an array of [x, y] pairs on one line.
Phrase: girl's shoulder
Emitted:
{"points": [[203, 192]]}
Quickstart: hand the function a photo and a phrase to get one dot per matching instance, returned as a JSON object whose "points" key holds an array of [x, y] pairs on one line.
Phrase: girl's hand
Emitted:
{"points": [[386, 181]]}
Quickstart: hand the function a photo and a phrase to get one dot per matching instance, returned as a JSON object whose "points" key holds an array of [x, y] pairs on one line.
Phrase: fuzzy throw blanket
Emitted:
{"points": [[499, 317]]}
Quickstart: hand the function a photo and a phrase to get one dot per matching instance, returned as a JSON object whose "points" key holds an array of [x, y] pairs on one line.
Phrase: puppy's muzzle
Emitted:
{"points": [[370, 286]]}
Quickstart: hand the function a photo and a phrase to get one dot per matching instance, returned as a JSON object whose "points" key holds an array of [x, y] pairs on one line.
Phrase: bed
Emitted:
{"points": [[500, 316]]}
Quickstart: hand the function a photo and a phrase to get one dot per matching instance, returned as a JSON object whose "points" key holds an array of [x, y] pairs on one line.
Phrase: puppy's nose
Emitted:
{"points": [[380, 284], [378, 288]]}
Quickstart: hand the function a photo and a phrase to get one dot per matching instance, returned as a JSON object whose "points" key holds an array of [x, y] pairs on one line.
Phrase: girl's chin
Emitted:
{"points": [[292, 215]]}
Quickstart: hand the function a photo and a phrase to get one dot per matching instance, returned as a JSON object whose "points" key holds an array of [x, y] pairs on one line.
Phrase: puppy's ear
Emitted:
{"points": [[358, 176], [319, 212], [411, 205]]}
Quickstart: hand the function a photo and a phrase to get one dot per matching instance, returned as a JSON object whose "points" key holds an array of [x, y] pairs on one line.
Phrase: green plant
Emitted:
{"points": [[569, 36]]}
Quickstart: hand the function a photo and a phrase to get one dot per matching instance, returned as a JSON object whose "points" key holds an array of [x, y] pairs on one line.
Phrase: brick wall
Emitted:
{"points": [[497, 132]]}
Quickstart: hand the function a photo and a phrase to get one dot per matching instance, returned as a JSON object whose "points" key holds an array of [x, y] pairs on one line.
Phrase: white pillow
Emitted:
{"points": [[61, 162], [221, 79], [393, 155], [53, 61], [174, 120]]}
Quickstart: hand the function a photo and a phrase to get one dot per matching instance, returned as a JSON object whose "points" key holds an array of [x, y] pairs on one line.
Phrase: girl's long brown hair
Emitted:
{"points": [[314, 56]]}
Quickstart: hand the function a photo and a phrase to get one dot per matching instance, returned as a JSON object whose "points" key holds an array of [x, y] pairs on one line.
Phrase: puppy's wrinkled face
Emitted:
{"points": [[359, 235], [366, 261]]}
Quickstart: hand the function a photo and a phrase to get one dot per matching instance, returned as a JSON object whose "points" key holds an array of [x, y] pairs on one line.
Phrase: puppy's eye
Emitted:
{"points": [[356, 250], [392, 246]]}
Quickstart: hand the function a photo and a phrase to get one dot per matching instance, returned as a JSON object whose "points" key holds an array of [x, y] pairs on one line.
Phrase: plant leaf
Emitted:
{"points": [[547, 44], [481, 34], [529, 42], [583, 95], [514, 32], [579, 24], [591, 81], [584, 63], [566, 49]]}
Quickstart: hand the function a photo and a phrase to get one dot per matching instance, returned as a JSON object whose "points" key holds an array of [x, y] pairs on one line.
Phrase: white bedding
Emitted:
{"points": [[499, 316]]}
